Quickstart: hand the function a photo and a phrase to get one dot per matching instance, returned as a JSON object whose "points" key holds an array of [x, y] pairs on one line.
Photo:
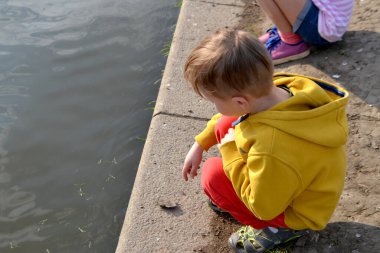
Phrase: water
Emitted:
{"points": [[77, 80]]}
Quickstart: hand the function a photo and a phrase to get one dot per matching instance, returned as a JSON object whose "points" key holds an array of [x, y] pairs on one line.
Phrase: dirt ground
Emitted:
{"points": [[353, 63]]}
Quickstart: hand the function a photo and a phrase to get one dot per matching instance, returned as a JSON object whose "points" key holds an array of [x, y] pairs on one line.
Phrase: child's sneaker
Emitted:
{"points": [[282, 52], [220, 211], [248, 239], [215, 208], [268, 34]]}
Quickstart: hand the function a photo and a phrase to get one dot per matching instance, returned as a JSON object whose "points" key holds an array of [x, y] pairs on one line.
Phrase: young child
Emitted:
{"points": [[300, 23], [281, 140]]}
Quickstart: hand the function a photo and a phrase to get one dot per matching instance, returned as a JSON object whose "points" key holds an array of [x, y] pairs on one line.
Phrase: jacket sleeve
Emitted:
{"points": [[206, 139], [264, 184]]}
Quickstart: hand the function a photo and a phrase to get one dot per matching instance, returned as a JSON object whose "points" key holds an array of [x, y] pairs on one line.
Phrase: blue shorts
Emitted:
{"points": [[306, 25]]}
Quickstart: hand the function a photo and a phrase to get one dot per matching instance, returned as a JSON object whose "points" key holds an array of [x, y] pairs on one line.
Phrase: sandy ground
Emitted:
{"points": [[354, 63]]}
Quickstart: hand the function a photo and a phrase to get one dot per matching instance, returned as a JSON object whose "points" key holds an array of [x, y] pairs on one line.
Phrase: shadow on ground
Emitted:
{"points": [[342, 237], [338, 237], [353, 62]]}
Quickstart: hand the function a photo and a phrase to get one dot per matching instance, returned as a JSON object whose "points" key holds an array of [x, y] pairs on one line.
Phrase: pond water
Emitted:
{"points": [[78, 80]]}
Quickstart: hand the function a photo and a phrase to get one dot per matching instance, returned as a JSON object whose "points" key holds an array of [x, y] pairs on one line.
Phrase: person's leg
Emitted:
{"points": [[275, 14], [283, 14], [290, 9], [256, 234], [219, 188], [286, 45], [306, 26]]}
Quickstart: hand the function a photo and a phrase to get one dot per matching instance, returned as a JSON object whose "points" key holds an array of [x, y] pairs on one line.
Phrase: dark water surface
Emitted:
{"points": [[76, 82]]}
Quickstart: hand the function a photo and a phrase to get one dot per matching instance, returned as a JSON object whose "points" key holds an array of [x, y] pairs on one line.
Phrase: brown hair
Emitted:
{"points": [[227, 62]]}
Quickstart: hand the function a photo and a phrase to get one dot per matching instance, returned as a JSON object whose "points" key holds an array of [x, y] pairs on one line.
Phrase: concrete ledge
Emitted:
{"points": [[196, 20], [178, 117], [149, 227]]}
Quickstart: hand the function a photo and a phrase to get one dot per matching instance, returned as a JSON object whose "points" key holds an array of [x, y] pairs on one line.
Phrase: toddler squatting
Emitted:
{"points": [[281, 138]]}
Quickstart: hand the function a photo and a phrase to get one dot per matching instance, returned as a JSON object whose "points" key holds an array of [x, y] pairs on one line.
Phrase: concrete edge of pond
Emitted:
{"points": [[166, 214]]}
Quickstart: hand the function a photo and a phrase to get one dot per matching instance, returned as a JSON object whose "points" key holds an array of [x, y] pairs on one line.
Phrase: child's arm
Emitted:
{"points": [[203, 141], [207, 138], [192, 161]]}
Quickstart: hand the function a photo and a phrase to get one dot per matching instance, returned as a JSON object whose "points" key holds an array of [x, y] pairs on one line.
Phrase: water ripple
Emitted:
{"points": [[19, 14], [26, 234], [75, 77], [22, 25]]}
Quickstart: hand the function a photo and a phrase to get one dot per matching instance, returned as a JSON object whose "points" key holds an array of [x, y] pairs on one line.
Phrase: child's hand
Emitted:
{"points": [[192, 161], [230, 136]]}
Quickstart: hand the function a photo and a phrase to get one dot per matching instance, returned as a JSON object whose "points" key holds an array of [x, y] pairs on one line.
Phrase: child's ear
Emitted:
{"points": [[241, 101]]}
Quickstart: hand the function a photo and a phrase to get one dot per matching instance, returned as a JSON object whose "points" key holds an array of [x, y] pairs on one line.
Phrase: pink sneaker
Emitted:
{"points": [[282, 52], [268, 34]]}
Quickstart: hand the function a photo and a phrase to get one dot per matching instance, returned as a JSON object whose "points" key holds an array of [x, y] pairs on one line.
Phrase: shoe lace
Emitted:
{"points": [[273, 42], [272, 31]]}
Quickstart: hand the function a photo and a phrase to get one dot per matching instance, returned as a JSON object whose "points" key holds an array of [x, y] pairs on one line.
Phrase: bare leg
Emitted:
{"points": [[283, 13], [275, 14], [291, 8]]}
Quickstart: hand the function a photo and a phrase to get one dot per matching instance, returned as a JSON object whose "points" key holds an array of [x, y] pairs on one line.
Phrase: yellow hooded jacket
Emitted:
{"points": [[290, 158]]}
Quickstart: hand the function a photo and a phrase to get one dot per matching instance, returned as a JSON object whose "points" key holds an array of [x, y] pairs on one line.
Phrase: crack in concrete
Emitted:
{"points": [[231, 5], [180, 116], [362, 117]]}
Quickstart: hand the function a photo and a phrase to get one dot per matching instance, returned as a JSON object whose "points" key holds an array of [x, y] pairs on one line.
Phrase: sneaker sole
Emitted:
{"points": [[292, 57]]}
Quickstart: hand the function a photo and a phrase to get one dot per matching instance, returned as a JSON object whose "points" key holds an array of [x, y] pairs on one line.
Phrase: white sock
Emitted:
{"points": [[273, 230]]}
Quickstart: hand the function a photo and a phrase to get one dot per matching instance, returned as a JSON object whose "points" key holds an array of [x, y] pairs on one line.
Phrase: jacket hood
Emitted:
{"points": [[315, 112]]}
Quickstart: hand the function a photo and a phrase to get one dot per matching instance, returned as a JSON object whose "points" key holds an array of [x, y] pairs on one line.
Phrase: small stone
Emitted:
{"points": [[358, 235], [336, 76], [358, 165], [167, 203]]}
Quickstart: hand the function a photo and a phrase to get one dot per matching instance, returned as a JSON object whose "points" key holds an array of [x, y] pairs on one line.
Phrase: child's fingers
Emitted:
{"points": [[193, 171], [184, 175], [185, 172]]}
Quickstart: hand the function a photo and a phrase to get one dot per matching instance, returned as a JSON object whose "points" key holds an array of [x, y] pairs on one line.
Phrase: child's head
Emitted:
{"points": [[230, 62]]}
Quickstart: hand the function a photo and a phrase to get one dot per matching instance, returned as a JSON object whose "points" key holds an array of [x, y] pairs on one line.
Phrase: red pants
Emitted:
{"points": [[219, 189]]}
